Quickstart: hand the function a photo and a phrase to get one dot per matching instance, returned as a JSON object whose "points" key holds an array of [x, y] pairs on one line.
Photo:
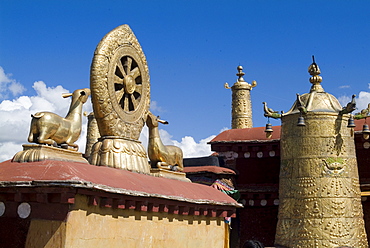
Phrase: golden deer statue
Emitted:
{"points": [[161, 156], [49, 128]]}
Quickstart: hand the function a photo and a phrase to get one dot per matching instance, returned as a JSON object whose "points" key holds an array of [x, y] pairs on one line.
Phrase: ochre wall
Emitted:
{"points": [[94, 226], [46, 233]]}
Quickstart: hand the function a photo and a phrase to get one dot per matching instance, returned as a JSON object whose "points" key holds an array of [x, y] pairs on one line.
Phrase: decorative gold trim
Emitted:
{"points": [[169, 174], [34, 153], [120, 153]]}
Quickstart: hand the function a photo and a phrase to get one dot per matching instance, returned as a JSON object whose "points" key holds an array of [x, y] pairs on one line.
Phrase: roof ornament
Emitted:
{"points": [[316, 80], [350, 107], [301, 106], [315, 153], [54, 135], [302, 109], [268, 129], [240, 73], [241, 116], [268, 112], [120, 90], [162, 156], [51, 129]]}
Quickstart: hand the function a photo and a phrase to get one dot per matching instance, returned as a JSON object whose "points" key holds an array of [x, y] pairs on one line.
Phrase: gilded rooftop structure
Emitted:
{"points": [[120, 90], [241, 101], [320, 198]]}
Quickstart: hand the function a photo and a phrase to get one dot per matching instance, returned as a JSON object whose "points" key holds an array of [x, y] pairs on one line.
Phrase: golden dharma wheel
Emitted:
{"points": [[120, 85]]}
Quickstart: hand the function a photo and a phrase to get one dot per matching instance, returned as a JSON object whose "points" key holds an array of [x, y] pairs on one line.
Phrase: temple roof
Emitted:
{"points": [[79, 175], [257, 134], [317, 102]]}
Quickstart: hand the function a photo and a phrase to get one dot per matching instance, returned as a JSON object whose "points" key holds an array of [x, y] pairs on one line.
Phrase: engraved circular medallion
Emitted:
{"points": [[130, 85], [125, 84]]}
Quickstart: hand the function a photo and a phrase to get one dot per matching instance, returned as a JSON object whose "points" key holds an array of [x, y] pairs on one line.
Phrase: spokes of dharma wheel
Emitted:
{"points": [[128, 83]]}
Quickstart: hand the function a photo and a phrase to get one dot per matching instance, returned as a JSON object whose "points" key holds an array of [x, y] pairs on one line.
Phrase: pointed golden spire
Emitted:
{"points": [[240, 73], [316, 80]]}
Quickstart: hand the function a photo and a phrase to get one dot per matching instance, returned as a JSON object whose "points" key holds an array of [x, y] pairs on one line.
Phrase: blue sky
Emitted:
{"points": [[193, 48]]}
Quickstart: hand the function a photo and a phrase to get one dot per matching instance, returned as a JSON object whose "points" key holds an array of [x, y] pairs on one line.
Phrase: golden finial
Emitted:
{"points": [[240, 73], [316, 80]]}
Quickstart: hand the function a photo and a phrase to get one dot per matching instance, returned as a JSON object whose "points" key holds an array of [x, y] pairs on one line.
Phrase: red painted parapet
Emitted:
{"points": [[47, 201]]}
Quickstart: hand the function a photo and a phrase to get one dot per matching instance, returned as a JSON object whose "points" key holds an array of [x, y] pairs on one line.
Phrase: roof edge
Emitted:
{"points": [[108, 189]]}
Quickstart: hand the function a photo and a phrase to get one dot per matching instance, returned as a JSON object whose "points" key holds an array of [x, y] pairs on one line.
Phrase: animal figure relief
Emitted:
{"points": [[270, 112], [350, 107], [161, 156], [52, 129]]}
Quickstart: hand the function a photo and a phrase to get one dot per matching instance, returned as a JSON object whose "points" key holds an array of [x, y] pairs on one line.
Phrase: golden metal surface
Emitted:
{"points": [[320, 197], [120, 86], [268, 112], [161, 156], [317, 100], [92, 135], [34, 153], [120, 153], [241, 101], [157, 172], [49, 128]]}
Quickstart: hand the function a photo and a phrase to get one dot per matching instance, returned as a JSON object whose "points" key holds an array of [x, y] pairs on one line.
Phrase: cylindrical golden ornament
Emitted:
{"points": [[92, 135], [320, 198], [319, 191], [241, 106], [241, 113]]}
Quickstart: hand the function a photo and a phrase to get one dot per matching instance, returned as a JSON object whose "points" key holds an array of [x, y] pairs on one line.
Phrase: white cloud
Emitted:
{"points": [[9, 85], [344, 87], [154, 107], [8, 150], [343, 100], [189, 146], [362, 100], [194, 149], [50, 97], [144, 136]]}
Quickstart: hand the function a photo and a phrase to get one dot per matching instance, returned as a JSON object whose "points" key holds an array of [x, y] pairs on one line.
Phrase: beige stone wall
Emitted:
{"points": [[94, 226]]}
